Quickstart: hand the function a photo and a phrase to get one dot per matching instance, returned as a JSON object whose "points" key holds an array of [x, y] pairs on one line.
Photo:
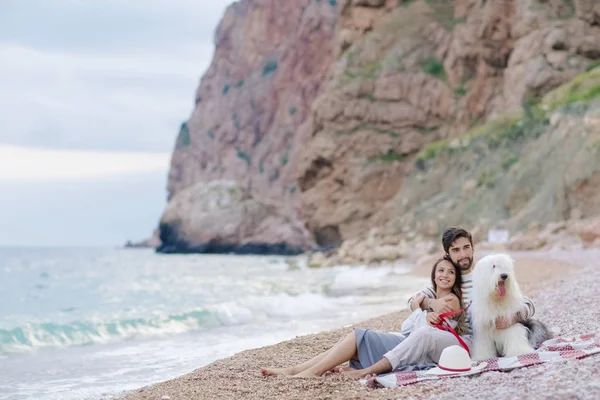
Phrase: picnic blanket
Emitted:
{"points": [[557, 349]]}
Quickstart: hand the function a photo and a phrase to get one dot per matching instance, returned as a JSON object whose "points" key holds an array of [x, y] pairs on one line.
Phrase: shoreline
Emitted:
{"points": [[225, 248], [541, 275]]}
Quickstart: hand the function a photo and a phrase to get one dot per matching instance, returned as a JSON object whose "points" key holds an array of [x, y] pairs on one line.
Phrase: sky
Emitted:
{"points": [[92, 94]]}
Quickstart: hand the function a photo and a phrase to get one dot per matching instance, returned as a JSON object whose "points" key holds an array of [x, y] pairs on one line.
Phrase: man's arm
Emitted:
{"points": [[526, 312], [430, 302], [427, 292]]}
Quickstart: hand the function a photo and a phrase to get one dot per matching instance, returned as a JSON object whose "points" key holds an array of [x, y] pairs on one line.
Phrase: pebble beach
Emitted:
{"points": [[563, 285]]}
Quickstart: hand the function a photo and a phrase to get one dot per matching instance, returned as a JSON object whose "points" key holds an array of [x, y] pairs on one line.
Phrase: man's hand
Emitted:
{"points": [[416, 301], [442, 305], [503, 323], [432, 318]]}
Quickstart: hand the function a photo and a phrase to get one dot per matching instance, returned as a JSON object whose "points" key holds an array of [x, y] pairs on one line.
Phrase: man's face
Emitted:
{"points": [[461, 253]]}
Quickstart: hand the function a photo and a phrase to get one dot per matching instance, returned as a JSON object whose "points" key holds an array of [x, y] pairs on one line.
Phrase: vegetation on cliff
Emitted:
{"points": [[529, 122], [538, 165]]}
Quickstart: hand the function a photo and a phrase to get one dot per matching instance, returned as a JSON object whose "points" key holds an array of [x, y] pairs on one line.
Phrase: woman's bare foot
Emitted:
{"points": [[372, 381], [356, 373], [277, 371], [339, 370]]}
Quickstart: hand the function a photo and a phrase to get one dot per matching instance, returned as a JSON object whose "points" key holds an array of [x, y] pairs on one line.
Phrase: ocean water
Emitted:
{"points": [[92, 323]]}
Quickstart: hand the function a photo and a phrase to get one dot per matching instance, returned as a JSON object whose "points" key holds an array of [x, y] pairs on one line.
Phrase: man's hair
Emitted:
{"points": [[451, 234]]}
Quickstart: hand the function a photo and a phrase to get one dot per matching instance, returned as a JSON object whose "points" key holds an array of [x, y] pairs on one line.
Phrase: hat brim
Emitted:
{"points": [[473, 370]]}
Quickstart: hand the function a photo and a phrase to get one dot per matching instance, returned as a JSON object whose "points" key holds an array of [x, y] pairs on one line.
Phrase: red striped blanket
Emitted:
{"points": [[557, 349]]}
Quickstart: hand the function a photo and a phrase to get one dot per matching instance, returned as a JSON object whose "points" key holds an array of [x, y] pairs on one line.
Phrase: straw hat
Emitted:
{"points": [[455, 361]]}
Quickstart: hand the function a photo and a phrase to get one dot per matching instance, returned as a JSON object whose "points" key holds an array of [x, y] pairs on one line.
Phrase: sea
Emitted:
{"points": [[93, 323]]}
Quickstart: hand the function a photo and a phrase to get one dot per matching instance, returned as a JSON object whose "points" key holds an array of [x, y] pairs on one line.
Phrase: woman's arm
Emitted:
{"points": [[453, 302]]}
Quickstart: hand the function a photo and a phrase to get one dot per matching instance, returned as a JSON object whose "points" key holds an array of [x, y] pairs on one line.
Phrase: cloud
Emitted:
{"points": [[42, 165], [115, 25], [68, 100], [112, 75]]}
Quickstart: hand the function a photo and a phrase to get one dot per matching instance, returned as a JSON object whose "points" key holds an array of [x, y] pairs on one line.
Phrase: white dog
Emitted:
{"points": [[496, 294]]}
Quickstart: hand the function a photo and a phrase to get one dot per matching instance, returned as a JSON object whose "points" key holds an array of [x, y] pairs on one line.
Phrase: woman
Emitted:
{"points": [[365, 348]]}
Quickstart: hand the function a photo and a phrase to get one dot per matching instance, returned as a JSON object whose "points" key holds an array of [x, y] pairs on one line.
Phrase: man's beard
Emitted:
{"points": [[462, 267]]}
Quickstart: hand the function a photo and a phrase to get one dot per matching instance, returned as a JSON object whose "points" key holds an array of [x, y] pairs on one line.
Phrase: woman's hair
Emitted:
{"points": [[461, 319]]}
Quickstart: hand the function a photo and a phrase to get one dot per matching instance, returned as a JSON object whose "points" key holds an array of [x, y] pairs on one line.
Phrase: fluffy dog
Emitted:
{"points": [[496, 293]]}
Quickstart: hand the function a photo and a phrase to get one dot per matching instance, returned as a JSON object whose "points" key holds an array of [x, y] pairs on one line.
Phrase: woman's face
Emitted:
{"points": [[445, 275]]}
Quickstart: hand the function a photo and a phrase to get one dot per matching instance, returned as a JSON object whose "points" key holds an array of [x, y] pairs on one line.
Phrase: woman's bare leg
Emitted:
{"points": [[290, 371], [342, 352]]}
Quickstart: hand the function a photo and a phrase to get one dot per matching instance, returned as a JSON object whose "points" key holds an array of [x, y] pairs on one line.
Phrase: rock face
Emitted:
{"points": [[379, 110], [588, 10], [271, 59], [536, 167], [151, 242], [328, 113], [221, 217], [589, 232], [427, 71]]}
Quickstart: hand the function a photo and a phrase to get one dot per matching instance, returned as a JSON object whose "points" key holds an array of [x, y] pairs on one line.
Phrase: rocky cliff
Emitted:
{"points": [[271, 60], [429, 71], [539, 165], [328, 118], [535, 172]]}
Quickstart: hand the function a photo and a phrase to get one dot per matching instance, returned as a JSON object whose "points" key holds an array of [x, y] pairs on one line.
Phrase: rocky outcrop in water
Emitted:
{"points": [[221, 217]]}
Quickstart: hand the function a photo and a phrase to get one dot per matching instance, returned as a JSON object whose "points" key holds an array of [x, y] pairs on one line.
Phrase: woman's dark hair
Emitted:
{"points": [[461, 319], [457, 287]]}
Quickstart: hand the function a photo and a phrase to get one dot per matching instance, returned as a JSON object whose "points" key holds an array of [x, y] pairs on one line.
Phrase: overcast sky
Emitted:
{"points": [[92, 93]]}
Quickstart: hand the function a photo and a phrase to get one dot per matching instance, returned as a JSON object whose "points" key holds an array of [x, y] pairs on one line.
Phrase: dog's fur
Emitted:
{"points": [[488, 304]]}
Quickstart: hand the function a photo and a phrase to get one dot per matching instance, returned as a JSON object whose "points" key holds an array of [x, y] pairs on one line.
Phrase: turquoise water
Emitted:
{"points": [[91, 323]]}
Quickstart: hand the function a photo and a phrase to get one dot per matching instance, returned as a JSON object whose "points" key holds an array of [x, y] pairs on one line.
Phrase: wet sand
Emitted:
{"points": [[563, 285]]}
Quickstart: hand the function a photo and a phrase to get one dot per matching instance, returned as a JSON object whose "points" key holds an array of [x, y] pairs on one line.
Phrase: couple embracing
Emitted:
{"points": [[420, 343]]}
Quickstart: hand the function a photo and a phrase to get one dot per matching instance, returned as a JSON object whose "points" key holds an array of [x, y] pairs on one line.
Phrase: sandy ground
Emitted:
{"points": [[564, 287]]}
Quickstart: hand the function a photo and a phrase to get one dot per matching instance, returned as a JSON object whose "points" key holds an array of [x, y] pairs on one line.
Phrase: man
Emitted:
{"points": [[424, 345], [458, 245]]}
